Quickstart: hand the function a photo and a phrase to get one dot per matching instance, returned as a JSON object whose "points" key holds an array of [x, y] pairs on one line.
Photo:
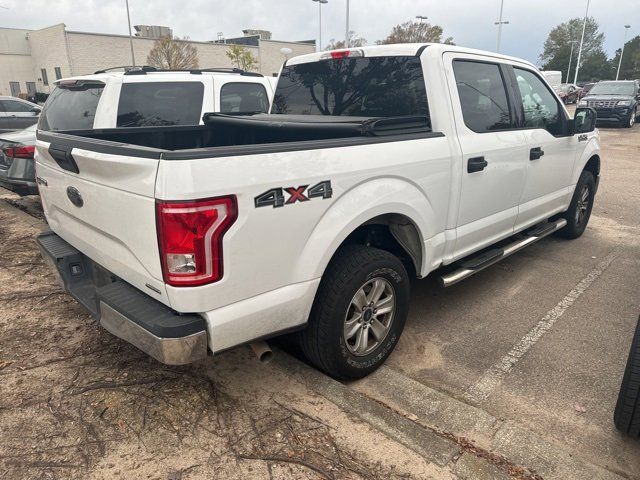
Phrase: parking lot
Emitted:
{"points": [[513, 373]]}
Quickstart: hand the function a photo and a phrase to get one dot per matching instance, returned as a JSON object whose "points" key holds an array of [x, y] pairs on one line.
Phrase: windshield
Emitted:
{"points": [[363, 86], [612, 88]]}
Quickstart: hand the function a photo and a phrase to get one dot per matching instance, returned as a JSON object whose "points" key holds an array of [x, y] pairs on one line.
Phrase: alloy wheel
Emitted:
{"points": [[369, 316]]}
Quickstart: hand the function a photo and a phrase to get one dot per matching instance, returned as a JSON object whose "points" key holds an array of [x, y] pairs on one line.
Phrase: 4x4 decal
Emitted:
{"points": [[275, 198]]}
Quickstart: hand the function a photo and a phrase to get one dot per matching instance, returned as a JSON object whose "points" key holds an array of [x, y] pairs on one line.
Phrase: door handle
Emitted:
{"points": [[535, 153], [476, 164]]}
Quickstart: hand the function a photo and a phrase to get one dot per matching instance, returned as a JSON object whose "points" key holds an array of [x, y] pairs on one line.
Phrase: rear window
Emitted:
{"points": [[243, 97], [364, 86], [160, 103], [71, 108]]}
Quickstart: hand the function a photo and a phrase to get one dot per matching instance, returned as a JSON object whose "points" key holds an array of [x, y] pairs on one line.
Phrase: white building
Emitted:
{"points": [[31, 60]]}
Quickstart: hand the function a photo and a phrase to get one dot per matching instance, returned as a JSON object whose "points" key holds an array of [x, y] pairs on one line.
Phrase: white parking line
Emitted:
{"points": [[493, 376]]}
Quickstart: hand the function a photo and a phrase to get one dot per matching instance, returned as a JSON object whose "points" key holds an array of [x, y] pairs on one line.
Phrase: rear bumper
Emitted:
{"points": [[123, 310], [19, 177]]}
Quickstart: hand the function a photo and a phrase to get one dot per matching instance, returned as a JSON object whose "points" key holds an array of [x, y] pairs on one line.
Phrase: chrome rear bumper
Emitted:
{"points": [[123, 310]]}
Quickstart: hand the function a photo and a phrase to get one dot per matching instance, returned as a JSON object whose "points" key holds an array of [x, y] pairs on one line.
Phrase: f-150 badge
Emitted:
{"points": [[275, 197]]}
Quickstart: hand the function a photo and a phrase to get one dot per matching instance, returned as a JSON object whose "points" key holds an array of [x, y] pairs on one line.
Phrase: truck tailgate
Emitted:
{"points": [[106, 210]]}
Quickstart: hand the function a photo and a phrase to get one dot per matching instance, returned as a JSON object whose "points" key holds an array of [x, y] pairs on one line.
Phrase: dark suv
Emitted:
{"points": [[614, 101]]}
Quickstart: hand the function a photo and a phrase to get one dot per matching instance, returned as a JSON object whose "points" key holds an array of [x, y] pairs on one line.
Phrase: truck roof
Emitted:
{"points": [[401, 49], [159, 75]]}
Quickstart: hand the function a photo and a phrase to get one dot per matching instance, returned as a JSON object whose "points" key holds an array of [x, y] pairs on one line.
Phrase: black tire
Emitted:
{"points": [[628, 123], [627, 413], [323, 341], [576, 224]]}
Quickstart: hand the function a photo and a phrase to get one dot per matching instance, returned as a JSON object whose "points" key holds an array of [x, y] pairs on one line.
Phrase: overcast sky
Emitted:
{"points": [[469, 22]]}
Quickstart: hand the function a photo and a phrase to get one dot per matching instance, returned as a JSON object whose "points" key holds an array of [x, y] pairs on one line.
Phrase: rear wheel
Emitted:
{"points": [[627, 413], [358, 314], [579, 211]]}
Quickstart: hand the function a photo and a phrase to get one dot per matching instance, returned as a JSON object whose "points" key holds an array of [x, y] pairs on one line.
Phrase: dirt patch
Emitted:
{"points": [[76, 402]]}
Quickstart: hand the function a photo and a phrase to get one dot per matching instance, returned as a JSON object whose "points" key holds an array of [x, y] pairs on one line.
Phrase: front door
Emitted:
{"points": [[552, 151], [494, 153]]}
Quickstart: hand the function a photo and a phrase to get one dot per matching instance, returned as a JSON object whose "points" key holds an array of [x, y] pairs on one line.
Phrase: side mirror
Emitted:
{"points": [[584, 120], [36, 110]]}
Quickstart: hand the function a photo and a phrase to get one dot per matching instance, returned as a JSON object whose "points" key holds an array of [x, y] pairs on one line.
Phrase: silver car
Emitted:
{"points": [[17, 169], [16, 114]]}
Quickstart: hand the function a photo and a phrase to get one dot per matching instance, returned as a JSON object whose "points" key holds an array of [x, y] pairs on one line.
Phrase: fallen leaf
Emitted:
{"points": [[579, 408], [4, 364]]}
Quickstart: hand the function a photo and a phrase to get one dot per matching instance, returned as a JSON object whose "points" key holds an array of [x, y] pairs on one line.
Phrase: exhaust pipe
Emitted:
{"points": [[262, 351]]}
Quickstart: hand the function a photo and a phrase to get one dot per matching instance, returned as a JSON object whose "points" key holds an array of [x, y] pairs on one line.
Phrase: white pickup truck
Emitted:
{"points": [[374, 165]]}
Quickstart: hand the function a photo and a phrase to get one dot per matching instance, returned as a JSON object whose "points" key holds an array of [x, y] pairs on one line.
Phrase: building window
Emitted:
{"points": [[45, 79], [58, 73]]}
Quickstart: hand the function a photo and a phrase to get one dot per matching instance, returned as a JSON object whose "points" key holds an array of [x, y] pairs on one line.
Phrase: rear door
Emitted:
{"points": [[162, 100], [235, 96], [494, 151], [551, 151]]}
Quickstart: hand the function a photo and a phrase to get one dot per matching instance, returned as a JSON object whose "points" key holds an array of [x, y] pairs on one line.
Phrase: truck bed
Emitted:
{"points": [[223, 135]]}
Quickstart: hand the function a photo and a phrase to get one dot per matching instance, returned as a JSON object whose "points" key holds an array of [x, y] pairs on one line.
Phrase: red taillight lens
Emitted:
{"points": [[190, 239], [340, 54], [26, 151]]}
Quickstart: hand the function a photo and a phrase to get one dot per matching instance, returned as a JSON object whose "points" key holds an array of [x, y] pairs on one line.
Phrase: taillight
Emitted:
{"points": [[190, 238], [20, 152]]}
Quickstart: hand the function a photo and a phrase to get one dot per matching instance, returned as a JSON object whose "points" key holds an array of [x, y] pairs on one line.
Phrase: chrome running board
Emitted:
{"points": [[475, 264]]}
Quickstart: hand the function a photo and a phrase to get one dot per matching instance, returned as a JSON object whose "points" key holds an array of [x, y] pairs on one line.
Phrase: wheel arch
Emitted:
{"points": [[389, 213]]}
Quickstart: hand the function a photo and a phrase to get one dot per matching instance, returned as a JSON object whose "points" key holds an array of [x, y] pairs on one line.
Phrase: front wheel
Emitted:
{"points": [[358, 314], [579, 211], [632, 119]]}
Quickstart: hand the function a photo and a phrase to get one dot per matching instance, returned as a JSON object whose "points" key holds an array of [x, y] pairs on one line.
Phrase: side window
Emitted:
{"points": [[483, 96], [13, 106], [160, 103], [243, 97], [541, 109]]}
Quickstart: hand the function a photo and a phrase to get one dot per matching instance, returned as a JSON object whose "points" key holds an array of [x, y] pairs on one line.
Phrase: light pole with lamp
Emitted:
{"points": [[584, 26], [626, 29], [421, 18], [320, 2], [572, 42]]}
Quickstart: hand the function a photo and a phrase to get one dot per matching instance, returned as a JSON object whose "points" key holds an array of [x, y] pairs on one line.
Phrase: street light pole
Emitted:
{"points": [[346, 28], [320, 2], [626, 29], [133, 58], [584, 26], [500, 22], [572, 42]]}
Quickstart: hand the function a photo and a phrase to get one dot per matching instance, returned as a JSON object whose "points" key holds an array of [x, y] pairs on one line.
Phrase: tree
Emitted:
{"points": [[173, 54], [354, 41], [416, 32], [557, 48], [630, 68], [596, 66], [242, 57]]}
